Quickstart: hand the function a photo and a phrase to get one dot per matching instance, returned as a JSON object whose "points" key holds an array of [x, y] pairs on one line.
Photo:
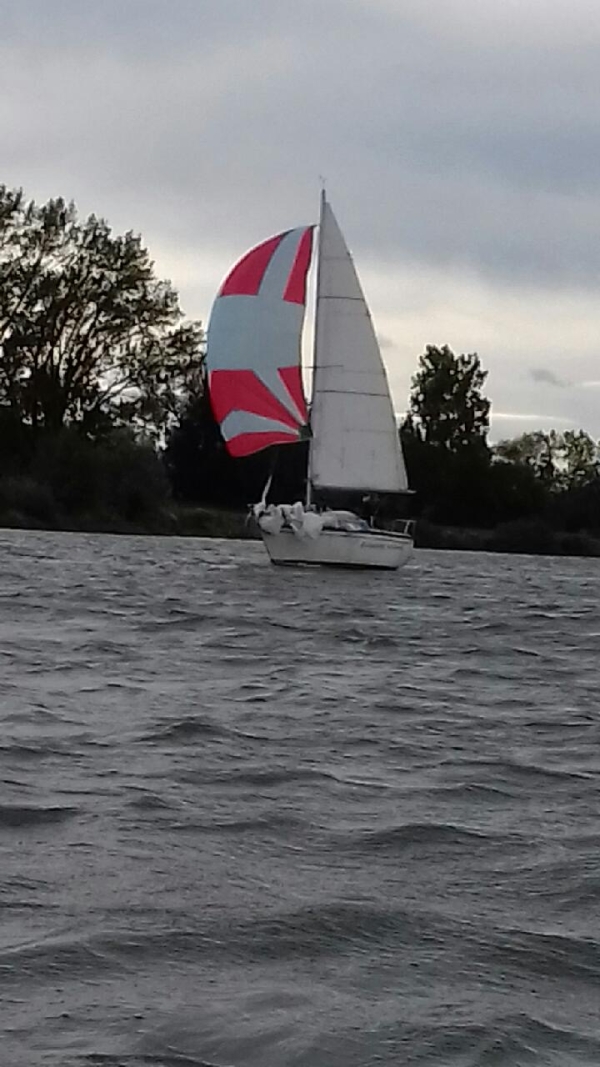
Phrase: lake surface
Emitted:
{"points": [[255, 817]]}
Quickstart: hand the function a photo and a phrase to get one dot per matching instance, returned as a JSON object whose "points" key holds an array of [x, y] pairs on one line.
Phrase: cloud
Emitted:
{"points": [[223, 116], [459, 141], [518, 416], [547, 377], [505, 425], [385, 342]]}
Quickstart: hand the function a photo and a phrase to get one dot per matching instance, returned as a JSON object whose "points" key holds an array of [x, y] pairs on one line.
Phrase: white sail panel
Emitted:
{"points": [[355, 443]]}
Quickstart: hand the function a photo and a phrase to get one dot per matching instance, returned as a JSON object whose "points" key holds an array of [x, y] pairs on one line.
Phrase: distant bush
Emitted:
{"points": [[134, 481], [525, 535], [23, 499], [579, 544], [71, 466], [213, 522], [431, 535], [114, 483]]}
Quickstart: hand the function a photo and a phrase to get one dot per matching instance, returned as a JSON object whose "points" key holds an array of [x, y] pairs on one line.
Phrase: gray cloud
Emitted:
{"points": [[459, 140], [459, 150], [547, 377], [385, 342]]}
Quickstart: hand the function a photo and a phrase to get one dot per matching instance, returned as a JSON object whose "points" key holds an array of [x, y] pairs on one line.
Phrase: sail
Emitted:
{"points": [[253, 345], [355, 443]]}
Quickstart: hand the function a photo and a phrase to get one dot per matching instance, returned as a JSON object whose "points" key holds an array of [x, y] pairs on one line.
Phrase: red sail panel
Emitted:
{"points": [[295, 290], [245, 444], [246, 277], [241, 390]]}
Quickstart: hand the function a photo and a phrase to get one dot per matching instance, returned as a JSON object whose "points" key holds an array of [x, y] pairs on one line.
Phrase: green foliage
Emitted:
{"points": [[560, 460], [513, 492], [539, 451], [97, 364], [444, 438], [526, 489], [447, 407], [135, 481], [25, 501], [68, 480], [88, 335], [525, 535], [15, 441], [117, 477], [577, 508], [201, 470], [580, 457]]}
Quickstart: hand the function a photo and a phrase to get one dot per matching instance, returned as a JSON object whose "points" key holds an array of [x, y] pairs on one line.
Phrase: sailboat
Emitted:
{"points": [[256, 393]]}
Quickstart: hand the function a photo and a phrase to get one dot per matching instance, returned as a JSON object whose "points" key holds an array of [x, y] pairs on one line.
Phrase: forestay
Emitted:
{"points": [[355, 442]]}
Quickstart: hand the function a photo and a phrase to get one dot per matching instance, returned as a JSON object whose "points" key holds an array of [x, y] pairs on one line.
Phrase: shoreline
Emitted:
{"points": [[522, 536]]}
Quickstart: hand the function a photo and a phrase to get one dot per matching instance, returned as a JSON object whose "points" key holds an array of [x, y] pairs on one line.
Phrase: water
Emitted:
{"points": [[263, 818]]}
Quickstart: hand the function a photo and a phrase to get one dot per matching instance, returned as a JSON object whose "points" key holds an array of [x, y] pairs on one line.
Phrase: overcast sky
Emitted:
{"points": [[459, 140]]}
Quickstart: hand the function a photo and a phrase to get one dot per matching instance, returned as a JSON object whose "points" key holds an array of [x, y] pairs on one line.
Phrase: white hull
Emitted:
{"points": [[375, 549]]}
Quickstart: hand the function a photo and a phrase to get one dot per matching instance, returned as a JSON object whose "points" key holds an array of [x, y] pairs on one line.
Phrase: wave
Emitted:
{"points": [[54, 749], [21, 816], [503, 1040], [33, 750], [395, 838], [179, 620], [283, 776], [148, 801], [383, 641], [506, 768], [306, 933], [260, 824], [357, 790], [549, 954], [145, 1059], [33, 713], [183, 729], [471, 790], [257, 776]]}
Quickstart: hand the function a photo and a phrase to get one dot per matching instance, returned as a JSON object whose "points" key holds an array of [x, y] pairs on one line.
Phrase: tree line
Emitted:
{"points": [[96, 362], [105, 422], [537, 492]]}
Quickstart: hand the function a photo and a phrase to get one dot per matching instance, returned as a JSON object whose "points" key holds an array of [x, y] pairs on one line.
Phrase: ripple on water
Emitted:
{"points": [[254, 816]]}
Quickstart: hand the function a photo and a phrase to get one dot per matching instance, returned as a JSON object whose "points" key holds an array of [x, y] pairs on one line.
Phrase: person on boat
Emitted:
{"points": [[370, 507]]}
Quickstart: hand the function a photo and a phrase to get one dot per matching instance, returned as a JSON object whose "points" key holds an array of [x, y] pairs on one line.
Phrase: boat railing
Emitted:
{"points": [[403, 526]]}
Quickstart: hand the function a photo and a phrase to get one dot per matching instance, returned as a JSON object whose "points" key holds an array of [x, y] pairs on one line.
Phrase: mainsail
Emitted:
{"points": [[355, 443], [253, 345]]}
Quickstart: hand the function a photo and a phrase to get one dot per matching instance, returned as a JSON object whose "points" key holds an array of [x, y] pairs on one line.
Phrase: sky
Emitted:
{"points": [[459, 141]]}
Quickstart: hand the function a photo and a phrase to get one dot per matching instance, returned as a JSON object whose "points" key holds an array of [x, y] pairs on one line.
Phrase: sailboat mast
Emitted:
{"points": [[315, 343]]}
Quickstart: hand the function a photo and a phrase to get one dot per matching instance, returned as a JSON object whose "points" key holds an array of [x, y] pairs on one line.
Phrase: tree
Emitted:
{"points": [[581, 458], [88, 334], [444, 438], [201, 470], [538, 450], [560, 460], [447, 407], [578, 507], [565, 467]]}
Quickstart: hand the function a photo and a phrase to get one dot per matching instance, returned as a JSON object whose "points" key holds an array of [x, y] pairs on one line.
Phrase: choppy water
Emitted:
{"points": [[262, 817]]}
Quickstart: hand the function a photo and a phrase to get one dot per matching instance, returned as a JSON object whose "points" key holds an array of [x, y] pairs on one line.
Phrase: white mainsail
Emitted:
{"points": [[355, 442]]}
